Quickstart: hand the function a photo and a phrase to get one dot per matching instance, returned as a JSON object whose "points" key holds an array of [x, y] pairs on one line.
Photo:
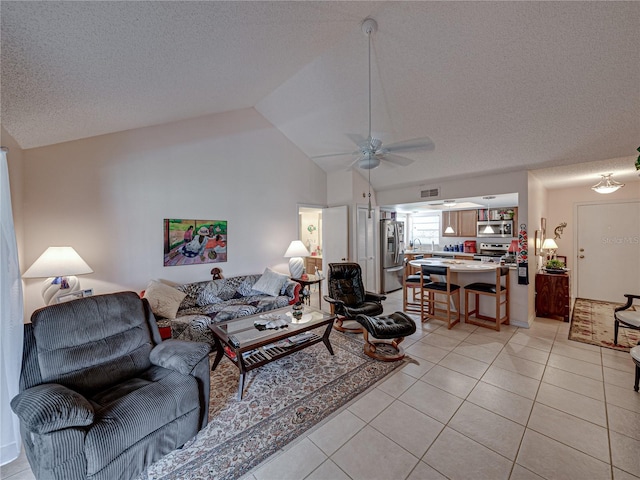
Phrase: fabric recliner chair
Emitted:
{"points": [[101, 395], [348, 297]]}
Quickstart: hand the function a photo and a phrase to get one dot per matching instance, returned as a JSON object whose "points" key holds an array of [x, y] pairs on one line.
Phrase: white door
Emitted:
{"points": [[365, 243], [608, 250]]}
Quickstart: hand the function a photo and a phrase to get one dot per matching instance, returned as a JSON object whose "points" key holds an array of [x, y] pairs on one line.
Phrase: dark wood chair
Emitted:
{"points": [[348, 298], [626, 318]]}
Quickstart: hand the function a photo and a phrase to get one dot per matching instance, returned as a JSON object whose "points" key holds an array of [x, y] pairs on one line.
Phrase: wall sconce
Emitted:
{"points": [[60, 265]]}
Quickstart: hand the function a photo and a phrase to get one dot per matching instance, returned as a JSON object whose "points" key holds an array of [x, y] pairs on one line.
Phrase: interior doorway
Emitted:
{"points": [[608, 250]]}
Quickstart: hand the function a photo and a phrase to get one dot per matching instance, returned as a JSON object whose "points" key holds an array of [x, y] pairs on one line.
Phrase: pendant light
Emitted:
{"points": [[488, 228], [449, 204], [607, 185]]}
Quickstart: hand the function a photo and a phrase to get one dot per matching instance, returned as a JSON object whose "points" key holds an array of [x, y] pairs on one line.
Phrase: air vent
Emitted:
{"points": [[432, 192]]}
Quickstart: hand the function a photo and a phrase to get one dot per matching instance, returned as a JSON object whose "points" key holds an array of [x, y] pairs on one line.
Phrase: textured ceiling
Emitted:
{"points": [[498, 86]]}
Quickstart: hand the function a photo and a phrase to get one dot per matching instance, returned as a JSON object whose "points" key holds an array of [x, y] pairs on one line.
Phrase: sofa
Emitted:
{"points": [[206, 302], [101, 395]]}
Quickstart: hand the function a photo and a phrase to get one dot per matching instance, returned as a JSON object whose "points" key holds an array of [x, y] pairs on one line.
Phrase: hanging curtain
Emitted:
{"points": [[11, 325]]}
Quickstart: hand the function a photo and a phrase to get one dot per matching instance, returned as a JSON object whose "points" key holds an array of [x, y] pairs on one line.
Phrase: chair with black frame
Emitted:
{"points": [[498, 291], [411, 281], [432, 305], [348, 298], [626, 318]]}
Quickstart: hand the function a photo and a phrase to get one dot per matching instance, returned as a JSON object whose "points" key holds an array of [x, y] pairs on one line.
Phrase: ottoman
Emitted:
{"points": [[388, 332]]}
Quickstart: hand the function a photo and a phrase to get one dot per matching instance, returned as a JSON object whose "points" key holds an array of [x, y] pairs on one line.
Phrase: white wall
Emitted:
{"points": [[15, 162], [107, 197]]}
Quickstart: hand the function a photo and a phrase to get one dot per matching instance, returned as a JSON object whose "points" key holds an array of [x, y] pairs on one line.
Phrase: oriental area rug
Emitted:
{"points": [[592, 322], [281, 400]]}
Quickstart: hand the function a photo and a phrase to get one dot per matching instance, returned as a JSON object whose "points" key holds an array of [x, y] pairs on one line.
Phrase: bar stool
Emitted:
{"points": [[496, 290], [411, 281], [436, 308]]}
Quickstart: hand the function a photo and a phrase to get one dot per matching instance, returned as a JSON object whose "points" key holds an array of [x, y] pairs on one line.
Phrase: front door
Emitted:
{"points": [[608, 250]]}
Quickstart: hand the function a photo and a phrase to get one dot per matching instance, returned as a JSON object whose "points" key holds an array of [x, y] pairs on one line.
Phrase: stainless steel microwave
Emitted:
{"points": [[501, 228]]}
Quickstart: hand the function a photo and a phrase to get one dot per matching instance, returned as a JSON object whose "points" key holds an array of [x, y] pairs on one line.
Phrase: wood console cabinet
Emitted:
{"points": [[311, 263], [553, 298]]}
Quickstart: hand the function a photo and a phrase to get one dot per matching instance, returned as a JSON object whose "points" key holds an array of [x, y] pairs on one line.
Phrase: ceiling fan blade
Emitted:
{"points": [[357, 138], [396, 159], [335, 154], [412, 145]]}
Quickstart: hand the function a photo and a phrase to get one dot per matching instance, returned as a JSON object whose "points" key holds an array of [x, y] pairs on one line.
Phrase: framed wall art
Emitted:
{"points": [[192, 242]]}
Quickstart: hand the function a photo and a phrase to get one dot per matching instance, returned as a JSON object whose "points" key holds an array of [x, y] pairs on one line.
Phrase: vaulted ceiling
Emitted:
{"points": [[497, 86]]}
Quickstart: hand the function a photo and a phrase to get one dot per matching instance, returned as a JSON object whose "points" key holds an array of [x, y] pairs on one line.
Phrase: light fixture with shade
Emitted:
{"points": [[550, 246], [60, 265], [488, 229], [294, 253], [607, 184], [449, 204]]}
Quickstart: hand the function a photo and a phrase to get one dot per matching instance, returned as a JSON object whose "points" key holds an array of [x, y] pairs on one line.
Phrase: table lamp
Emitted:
{"points": [[551, 246], [294, 253], [60, 265]]}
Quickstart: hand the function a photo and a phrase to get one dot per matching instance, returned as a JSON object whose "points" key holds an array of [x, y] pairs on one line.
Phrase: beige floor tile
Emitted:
{"points": [[489, 429], [522, 338], [478, 462], [503, 336], [425, 472], [371, 455], [619, 363], [19, 465], [584, 346], [369, 406], [577, 353], [622, 397], [622, 475], [477, 352], [441, 341], [575, 383], [580, 434], [493, 343], [624, 421], [336, 432], [621, 378], [554, 461], [416, 366], [610, 352], [459, 332], [427, 352], [450, 381], [521, 473], [624, 453], [328, 470], [519, 365], [573, 403], [575, 366], [432, 401], [512, 381], [507, 404], [294, 463], [528, 353], [409, 428], [397, 384], [465, 365]]}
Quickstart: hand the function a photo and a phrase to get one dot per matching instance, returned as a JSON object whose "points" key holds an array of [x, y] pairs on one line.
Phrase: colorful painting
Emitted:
{"points": [[192, 242]]}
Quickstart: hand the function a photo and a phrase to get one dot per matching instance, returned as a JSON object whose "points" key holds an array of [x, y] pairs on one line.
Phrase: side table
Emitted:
{"points": [[553, 297], [311, 280]]}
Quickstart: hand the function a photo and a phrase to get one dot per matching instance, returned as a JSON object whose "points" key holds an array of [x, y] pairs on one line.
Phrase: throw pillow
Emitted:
{"points": [[163, 299], [270, 283]]}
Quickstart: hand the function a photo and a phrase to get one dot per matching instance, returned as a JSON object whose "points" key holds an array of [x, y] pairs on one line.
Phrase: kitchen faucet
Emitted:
{"points": [[416, 241]]}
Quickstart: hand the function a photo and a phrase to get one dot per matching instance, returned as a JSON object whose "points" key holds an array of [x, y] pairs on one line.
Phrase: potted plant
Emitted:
{"points": [[554, 266]]}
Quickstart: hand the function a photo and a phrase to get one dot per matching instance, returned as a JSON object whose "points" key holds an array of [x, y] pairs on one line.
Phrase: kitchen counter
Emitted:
{"points": [[439, 252]]}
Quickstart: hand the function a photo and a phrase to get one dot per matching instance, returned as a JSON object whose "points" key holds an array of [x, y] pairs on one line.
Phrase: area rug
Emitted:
{"points": [[281, 401], [592, 322]]}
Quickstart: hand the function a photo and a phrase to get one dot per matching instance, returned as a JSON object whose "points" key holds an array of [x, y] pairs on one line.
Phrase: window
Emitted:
{"points": [[425, 229]]}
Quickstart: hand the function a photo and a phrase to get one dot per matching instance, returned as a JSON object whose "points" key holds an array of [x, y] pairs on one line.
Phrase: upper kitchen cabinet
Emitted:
{"points": [[463, 223]]}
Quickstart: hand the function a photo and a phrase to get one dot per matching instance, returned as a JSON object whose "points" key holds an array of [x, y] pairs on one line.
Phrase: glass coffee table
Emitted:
{"points": [[248, 347]]}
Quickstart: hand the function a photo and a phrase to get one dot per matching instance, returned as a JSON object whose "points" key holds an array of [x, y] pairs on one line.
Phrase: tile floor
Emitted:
{"points": [[475, 404]]}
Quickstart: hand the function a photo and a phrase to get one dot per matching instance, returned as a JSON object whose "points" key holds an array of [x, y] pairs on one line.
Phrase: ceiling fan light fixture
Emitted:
{"points": [[607, 185]]}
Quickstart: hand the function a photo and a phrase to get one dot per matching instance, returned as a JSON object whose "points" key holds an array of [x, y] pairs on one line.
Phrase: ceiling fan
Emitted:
{"points": [[371, 151]]}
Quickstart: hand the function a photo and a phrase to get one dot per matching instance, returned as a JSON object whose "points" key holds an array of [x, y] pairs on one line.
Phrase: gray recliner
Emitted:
{"points": [[101, 395]]}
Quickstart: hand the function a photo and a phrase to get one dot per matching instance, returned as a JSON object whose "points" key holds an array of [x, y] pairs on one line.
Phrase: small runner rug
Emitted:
{"points": [[281, 400], [592, 322]]}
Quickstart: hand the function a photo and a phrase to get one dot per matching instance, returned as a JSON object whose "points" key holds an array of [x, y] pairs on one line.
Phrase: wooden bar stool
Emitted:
{"points": [[411, 286], [432, 304], [496, 290]]}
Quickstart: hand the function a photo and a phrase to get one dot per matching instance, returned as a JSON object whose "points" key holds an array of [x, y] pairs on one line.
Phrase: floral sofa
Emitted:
{"points": [[219, 300]]}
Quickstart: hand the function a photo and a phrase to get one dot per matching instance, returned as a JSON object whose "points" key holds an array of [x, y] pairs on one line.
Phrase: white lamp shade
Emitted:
{"points": [[58, 262], [296, 249], [549, 244]]}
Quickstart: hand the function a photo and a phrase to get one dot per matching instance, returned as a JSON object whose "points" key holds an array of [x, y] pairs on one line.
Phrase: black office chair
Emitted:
{"points": [[348, 298], [626, 318]]}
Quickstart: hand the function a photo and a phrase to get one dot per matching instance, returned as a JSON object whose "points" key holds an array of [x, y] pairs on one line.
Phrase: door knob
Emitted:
{"points": [[581, 256]]}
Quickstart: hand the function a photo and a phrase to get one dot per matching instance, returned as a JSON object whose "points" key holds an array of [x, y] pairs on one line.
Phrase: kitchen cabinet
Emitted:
{"points": [[311, 263], [463, 223], [450, 218], [552, 295]]}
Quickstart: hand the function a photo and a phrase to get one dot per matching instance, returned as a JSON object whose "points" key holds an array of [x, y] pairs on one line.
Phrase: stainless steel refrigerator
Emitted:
{"points": [[391, 255]]}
